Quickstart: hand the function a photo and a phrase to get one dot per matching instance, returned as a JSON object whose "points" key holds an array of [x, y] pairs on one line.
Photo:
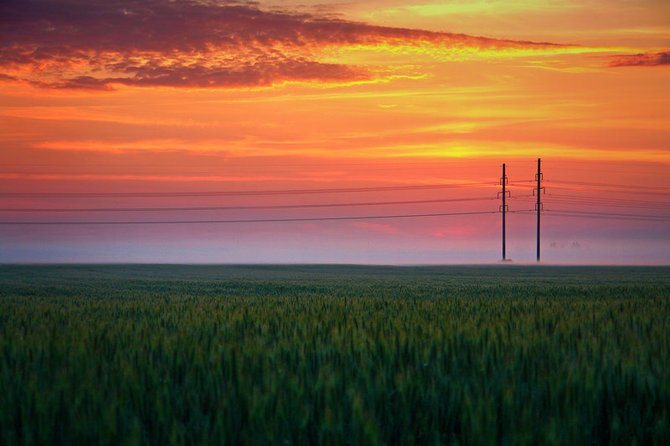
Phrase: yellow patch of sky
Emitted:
{"points": [[524, 150], [640, 24], [422, 53], [475, 7]]}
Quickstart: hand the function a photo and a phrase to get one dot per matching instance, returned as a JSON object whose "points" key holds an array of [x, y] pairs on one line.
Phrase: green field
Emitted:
{"points": [[127, 354]]}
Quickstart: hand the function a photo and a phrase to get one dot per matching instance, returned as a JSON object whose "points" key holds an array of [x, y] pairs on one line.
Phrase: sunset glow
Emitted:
{"points": [[142, 111]]}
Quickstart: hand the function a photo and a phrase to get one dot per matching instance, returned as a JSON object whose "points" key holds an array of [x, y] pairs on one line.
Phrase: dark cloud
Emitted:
{"points": [[6, 77], [94, 44], [203, 77], [641, 60], [78, 83]]}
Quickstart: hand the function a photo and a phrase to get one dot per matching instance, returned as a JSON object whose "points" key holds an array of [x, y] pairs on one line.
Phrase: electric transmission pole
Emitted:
{"points": [[503, 208], [538, 205]]}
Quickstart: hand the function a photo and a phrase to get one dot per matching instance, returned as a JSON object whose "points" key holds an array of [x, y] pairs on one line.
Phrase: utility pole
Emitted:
{"points": [[503, 208], [538, 205]]}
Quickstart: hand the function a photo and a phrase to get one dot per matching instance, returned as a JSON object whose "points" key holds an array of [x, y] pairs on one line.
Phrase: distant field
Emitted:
{"points": [[127, 354]]}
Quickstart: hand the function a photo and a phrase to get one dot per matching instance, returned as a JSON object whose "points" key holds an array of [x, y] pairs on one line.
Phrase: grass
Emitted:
{"points": [[142, 354]]}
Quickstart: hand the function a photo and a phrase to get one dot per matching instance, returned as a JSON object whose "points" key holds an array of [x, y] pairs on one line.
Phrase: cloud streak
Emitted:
{"points": [[641, 60], [97, 45]]}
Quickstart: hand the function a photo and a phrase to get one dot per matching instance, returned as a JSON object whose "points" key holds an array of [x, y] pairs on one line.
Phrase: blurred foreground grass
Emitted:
{"points": [[129, 354]]}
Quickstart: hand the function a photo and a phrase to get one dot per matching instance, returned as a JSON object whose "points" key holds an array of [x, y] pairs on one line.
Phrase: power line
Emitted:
{"points": [[259, 220], [607, 199], [230, 208], [523, 185], [609, 204], [233, 193], [621, 186], [605, 215], [617, 206], [617, 191]]}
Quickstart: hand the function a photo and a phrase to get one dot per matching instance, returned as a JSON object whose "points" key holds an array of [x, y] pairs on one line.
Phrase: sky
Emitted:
{"points": [[333, 131]]}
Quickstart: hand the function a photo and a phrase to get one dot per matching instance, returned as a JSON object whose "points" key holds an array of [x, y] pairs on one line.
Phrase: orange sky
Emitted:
{"points": [[174, 97]]}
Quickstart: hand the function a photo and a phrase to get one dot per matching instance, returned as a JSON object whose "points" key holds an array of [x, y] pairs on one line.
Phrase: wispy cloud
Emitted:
{"points": [[167, 178], [95, 44], [641, 60], [436, 146]]}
